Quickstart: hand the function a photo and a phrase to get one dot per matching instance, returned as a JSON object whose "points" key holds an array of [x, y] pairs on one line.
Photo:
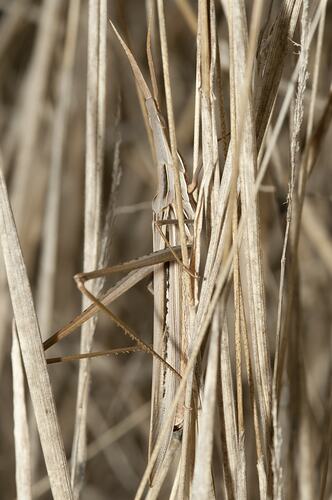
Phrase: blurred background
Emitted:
{"points": [[32, 42]]}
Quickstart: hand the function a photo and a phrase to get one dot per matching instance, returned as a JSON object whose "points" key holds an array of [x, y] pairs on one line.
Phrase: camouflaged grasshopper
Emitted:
{"points": [[169, 346], [168, 338]]}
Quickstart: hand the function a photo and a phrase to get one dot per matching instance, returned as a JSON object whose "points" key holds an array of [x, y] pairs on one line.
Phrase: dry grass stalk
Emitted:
{"points": [[21, 431], [95, 137], [33, 353]]}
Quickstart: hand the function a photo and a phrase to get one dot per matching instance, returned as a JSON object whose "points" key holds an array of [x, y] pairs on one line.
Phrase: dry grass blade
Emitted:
{"points": [[32, 353], [240, 331], [95, 137], [274, 60], [244, 152], [298, 116], [233, 444], [170, 460], [202, 485], [21, 431]]}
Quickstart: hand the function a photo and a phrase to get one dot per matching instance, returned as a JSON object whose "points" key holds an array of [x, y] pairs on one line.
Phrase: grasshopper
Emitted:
{"points": [[169, 346], [168, 333]]}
